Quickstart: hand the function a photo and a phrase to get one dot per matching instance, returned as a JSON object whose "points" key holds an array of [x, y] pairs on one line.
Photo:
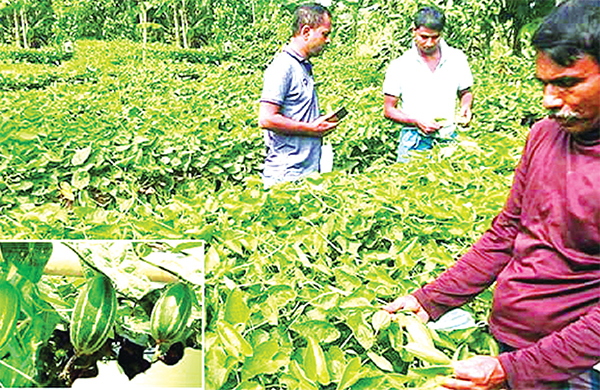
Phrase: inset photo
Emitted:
{"points": [[91, 314]]}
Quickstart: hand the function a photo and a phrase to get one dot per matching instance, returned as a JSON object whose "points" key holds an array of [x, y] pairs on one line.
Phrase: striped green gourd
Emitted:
{"points": [[94, 315], [9, 311], [171, 314]]}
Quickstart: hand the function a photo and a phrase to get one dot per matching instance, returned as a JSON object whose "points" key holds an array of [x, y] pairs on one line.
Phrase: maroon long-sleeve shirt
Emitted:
{"points": [[543, 252]]}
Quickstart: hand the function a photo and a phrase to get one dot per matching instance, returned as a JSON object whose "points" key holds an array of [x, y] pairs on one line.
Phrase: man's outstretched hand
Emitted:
{"points": [[477, 373], [410, 303]]}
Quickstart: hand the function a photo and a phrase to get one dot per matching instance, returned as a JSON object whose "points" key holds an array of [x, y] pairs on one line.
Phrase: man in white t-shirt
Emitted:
{"points": [[421, 87]]}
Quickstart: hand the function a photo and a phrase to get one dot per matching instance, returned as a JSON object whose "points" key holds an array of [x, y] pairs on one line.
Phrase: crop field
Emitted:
{"points": [[144, 142]]}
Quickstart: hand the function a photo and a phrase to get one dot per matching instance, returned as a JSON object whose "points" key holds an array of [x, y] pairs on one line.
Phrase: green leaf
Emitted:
{"points": [[346, 281], [352, 373], [360, 298], [380, 361], [218, 366], [315, 364], [267, 359], [236, 310], [335, 362], [320, 330], [361, 330], [212, 259], [431, 372], [81, 179], [30, 258], [296, 378], [418, 332], [81, 155], [430, 355], [233, 342], [396, 381], [249, 385]]}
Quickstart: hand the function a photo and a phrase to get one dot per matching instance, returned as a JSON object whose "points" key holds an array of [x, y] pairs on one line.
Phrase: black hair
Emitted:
{"points": [[310, 14], [570, 31], [430, 17]]}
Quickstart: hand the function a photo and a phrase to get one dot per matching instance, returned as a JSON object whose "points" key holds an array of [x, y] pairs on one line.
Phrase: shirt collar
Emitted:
{"points": [[443, 51], [298, 57], [295, 54]]}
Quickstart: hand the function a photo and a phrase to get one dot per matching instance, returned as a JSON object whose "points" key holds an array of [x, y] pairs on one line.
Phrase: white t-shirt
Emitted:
{"points": [[428, 95]]}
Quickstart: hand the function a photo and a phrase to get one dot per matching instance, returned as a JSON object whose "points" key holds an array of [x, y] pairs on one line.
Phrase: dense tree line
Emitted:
{"points": [[196, 23]]}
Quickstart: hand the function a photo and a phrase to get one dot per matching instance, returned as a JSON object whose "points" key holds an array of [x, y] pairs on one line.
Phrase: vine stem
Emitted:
{"points": [[321, 234]]}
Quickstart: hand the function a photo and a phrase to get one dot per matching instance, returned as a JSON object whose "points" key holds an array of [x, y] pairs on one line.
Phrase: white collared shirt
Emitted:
{"points": [[428, 95]]}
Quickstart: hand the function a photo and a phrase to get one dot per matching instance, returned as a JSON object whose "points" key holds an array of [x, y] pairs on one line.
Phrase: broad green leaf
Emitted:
{"points": [[233, 342], [346, 281], [249, 385], [327, 301], [396, 381], [380, 361], [30, 258], [430, 355], [361, 298], [431, 371], [361, 330], [218, 366], [81, 155], [396, 336], [236, 310], [418, 332], [280, 295], [80, 180], [461, 353], [370, 382], [335, 362], [212, 259], [320, 330], [296, 378], [267, 359], [352, 373], [315, 364], [381, 277]]}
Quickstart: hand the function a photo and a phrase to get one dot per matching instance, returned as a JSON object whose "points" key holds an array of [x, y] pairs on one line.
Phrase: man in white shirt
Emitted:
{"points": [[426, 81]]}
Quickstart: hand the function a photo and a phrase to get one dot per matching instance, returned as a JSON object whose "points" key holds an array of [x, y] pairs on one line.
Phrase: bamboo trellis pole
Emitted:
{"points": [[64, 262]]}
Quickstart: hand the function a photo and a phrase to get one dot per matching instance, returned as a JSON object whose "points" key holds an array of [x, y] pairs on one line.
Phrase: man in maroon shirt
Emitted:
{"points": [[543, 249]]}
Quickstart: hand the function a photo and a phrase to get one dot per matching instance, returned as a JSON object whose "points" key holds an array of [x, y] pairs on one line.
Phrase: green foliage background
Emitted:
{"points": [[127, 138]]}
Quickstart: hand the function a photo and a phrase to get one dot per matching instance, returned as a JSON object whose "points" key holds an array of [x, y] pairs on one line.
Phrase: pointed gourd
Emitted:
{"points": [[9, 311], [94, 315], [171, 313]]}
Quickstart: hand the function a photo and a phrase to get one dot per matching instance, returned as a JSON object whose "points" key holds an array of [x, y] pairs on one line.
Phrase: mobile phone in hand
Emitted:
{"points": [[340, 113]]}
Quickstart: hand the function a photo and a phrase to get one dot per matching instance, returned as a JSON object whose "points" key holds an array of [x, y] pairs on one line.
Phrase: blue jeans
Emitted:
{"points": [[411, 139]]}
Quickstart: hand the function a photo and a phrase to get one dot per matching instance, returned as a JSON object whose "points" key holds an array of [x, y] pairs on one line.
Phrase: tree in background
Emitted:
{"points": [[523, 15], [382, 25]]}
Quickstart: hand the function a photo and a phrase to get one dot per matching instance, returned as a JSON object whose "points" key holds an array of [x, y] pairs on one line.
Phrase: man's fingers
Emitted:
{"points": [[394, 306], [409, 303], [459, 384], [422, 315]]}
